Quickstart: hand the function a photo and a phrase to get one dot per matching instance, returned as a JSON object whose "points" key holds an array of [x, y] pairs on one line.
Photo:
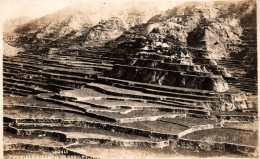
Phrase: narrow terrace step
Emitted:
{"points": [[55, 108], [23, 71], [85, 56], [170, 94], [22, 81], [17, 91], [95, 60], [65, 65], [19, 69], [25, 76], [37, 65], [67, 77], [69, 82], [245, 87], [24, 60], [243, 79], [235, 64], [109, 80], [32, 66], [247, 90], [243, 84], [31, 55], [34, 90], [58, 87], [74, 72], [78, 62], [97, 68], [254, 90], [73, 105]]}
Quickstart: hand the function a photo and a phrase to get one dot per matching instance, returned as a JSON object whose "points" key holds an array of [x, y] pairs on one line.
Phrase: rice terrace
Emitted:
{"points": [[132, 79]]}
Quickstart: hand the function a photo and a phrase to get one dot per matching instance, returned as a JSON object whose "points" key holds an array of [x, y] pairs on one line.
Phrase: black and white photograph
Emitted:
{"points": [[129, 79]]}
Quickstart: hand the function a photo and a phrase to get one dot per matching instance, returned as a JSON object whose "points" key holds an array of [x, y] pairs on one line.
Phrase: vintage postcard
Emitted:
{"points": [[129, 79]]}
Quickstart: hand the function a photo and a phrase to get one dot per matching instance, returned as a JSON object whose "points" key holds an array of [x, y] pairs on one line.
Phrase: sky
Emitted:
{"points": [[30, 8], [37, 8]]}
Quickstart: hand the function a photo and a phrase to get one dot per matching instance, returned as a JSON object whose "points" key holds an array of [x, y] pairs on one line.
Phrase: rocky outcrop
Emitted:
{"points": [[215, 37], [197, 80]]}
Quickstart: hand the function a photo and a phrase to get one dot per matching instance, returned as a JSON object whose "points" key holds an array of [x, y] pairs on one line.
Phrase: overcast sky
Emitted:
{"points": [[38, 8], [30, 8]]}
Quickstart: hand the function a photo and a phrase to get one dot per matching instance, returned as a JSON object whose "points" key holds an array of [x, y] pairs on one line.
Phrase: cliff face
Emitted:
{"points": [[184, 79], [215, 37]]}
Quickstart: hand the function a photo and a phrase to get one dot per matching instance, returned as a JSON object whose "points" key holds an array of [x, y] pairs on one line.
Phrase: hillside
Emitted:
{"points": [[72, 20], [206, 34], [81, 22], [192, 24], [116, 25], [122, 79]]}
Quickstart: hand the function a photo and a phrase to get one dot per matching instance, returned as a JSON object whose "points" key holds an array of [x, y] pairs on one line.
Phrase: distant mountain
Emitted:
{"points": [[74, 20], [82, 22], [116, 25]]}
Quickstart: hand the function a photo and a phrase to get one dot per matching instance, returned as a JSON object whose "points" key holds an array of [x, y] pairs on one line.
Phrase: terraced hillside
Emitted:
{"points": [[208, 34], [47, 95], [132, 98]]}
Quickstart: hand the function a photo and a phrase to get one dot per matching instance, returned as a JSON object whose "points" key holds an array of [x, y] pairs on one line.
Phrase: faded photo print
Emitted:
{"points": [[129, 79]]}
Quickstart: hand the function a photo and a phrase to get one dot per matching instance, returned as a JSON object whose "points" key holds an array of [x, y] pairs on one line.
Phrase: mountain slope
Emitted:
{"points": [[116, 25], [193, 34], [201, 25], [80, 22]]}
